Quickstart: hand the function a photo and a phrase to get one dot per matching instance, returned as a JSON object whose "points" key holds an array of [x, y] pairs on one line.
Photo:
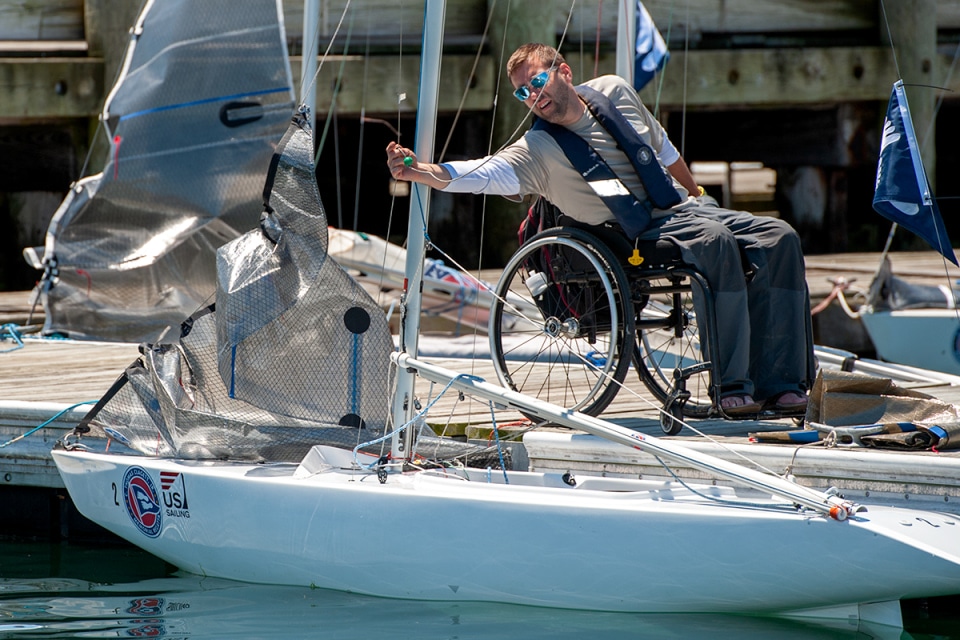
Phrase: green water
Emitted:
{"points": [[61, 590]]}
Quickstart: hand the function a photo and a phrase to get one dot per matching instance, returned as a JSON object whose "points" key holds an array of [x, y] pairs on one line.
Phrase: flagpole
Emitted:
{"points": [[902, 193]]}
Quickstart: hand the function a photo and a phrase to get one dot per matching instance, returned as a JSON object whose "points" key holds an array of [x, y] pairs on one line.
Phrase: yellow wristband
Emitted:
{"points": [[701, 190]]}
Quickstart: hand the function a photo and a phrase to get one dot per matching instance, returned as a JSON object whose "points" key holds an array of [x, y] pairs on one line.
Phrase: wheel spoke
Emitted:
{"points": [[576, 326]]}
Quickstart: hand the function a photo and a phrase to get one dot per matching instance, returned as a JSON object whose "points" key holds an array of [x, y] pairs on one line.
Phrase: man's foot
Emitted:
{"points": [[788, 401], [739, 404]]}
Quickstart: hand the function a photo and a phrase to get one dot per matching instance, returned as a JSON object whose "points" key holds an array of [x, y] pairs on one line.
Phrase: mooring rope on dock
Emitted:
{"points": [[41, 426]]}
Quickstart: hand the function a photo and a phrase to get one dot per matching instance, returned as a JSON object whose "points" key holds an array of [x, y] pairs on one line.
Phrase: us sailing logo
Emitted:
{"points": [[142, 501], [174, 490]]}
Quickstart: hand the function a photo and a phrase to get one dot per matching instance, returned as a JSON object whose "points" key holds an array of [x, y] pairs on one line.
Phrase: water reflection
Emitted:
{"points": [[134, 595]]}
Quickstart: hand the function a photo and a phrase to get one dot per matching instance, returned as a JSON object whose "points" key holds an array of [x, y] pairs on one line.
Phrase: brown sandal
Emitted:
{"points": [[788, 401], [739, 404]]}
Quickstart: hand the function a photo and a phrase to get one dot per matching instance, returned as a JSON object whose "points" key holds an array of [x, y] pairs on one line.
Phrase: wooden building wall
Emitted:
{"points": [[800, 85]]}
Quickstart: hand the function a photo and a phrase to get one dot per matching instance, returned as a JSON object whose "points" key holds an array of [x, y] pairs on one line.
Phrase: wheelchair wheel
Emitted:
{"points": [[562, 325], [668, 342]]}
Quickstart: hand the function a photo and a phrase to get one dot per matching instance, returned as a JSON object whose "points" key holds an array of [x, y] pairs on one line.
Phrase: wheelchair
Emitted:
{"points": [[571, 317]]}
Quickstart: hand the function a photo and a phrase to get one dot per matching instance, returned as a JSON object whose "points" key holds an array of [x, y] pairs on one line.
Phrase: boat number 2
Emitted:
{"points": [[113, 485]]}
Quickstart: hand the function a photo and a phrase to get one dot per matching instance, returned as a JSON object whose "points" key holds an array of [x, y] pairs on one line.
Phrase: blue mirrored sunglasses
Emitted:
{"points": [[537, 82]]}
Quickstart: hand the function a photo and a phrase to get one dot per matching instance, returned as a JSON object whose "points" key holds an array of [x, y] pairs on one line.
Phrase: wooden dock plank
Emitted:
{"points": [[61, 371], [26, 374], [45, 376]]}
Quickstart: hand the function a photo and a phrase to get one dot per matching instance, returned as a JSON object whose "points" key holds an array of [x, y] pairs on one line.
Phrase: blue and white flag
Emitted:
{"points": [[651, 50], [902, 193]]}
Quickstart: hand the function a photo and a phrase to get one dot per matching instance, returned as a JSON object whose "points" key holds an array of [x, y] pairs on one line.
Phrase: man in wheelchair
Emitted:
{"points": [[601, 157]]}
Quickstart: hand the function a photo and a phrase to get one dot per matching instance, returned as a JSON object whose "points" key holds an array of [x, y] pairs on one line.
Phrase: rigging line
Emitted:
{"points": [[443, 433], [331, 109], [414, 420], [686, 61], [96, 134], [326, 53], [893, 49], [392, 380], [120, 71], [514, 436], [940, 97], [423, 423], [523, 121], [363, 111], [736, 502], [336, 167], [581, 62], [501, 53], [596, 41], [566, 27], [401, 96], [466, 89], [943, 90], [623, 387], [927, 134], [496, 434], [662, 75]]}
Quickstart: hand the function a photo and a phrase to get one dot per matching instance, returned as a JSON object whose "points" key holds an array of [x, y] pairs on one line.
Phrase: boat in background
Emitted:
{"points": [[203, 96], [379, 265], [913, 324], [910, 324], [131, 251]]}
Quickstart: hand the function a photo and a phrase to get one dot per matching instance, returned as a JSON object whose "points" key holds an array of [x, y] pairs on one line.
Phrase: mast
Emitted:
{"points": [[308, 86], [626, 38], [430, 56]]}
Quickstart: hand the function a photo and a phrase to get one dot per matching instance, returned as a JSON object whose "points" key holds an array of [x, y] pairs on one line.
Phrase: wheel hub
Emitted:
{"points": [[555, 327]]}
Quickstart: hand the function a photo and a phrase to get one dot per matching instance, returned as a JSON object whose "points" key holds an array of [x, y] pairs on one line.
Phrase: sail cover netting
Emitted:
{"points": [[293, 353], [204, 95]]}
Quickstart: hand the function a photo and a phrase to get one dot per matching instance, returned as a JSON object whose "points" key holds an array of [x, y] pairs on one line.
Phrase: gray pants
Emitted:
{"points": [[764, 346]]}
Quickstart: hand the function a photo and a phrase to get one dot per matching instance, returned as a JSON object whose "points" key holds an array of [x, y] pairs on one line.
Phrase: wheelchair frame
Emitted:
{"points": [[569, 314]]}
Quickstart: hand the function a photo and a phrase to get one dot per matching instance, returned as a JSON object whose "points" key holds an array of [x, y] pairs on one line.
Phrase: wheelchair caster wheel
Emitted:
{"points": [[671, 420]]}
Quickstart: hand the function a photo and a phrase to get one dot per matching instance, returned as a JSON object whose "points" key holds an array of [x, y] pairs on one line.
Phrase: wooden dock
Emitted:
{"points": [[47, 379], [51, 376]]}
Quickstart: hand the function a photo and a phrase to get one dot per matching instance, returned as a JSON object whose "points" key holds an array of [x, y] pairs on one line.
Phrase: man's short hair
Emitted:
{"points": [[542, 53]]}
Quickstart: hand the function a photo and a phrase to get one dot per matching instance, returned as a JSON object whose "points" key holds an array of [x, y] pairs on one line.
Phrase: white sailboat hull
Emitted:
{"points": [[643, 547], [926, 338]]}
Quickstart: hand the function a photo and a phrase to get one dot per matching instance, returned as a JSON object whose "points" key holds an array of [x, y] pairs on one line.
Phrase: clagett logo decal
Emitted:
{"points": [[142, 500]]}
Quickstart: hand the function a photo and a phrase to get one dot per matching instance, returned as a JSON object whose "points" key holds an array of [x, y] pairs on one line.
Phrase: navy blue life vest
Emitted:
{"points": [[632, 214]]}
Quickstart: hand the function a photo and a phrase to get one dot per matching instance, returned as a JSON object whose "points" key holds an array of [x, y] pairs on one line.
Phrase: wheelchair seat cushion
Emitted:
{"points": [[656, 252]]}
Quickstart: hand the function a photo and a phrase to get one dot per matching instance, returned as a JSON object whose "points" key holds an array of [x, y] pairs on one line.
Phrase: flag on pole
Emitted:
{"points": [[902, 193], [651, 50]]}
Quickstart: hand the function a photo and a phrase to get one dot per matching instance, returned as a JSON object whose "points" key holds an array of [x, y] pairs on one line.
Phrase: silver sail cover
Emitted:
{"points": [[204, 95], [293, 353]]}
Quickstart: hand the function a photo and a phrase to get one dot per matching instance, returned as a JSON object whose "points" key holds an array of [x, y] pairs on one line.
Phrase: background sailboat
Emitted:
{"points": [[908, 324], [204, 94]]}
